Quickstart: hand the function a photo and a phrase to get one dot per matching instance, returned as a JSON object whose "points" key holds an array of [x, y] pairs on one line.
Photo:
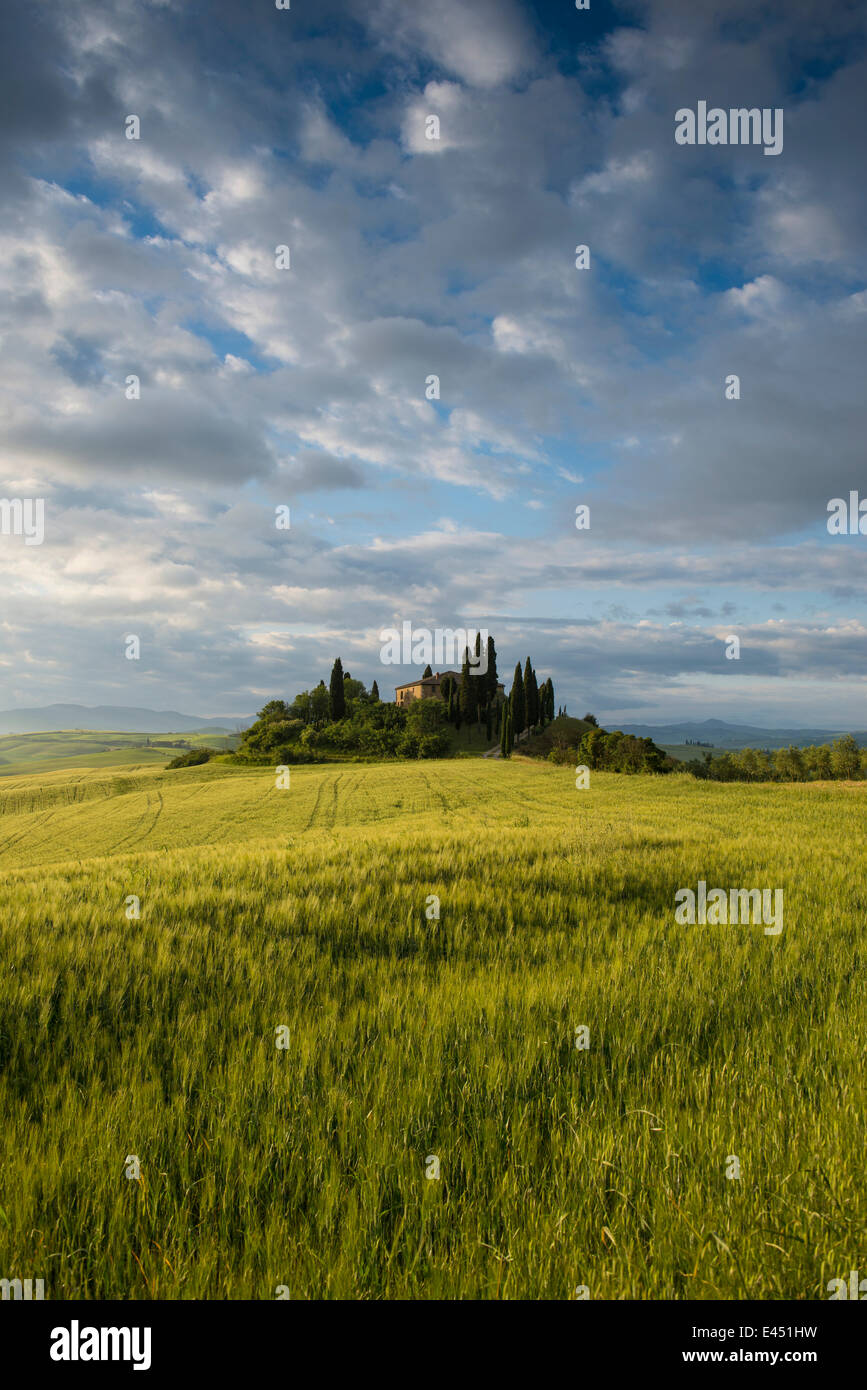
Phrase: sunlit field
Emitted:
{"points": [[305, 1167], [23, 754]]}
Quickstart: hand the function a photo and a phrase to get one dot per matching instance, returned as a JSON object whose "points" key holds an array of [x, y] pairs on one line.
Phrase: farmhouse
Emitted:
{"points": [[427, 687]]}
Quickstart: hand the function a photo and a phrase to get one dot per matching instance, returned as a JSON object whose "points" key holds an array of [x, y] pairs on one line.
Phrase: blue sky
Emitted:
{"points": [[454, 257]]}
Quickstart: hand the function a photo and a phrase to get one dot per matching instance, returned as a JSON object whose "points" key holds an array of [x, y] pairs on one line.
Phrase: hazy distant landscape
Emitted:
{"points": [[47, 752], [157, 737], [99, 718]]}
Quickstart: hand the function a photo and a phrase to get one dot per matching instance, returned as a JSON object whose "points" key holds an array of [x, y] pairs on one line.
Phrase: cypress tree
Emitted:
{"points": [[427, 672], [517, 705], [489, 723], [467, 691], [337, 697], [374, 693], [490, 677], [543, 703], [531, 695]]}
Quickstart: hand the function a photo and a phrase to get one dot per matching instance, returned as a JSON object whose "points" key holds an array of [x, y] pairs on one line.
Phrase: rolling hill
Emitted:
{"points": [[118, 718]]}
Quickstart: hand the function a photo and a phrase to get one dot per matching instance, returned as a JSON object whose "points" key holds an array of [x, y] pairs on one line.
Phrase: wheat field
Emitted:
{"points": [[412, 1046]]}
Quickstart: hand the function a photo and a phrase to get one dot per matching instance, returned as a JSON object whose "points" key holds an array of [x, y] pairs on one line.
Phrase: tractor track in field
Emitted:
{"points": [[135, 833], [36, 825], [312, 817], [434, 790], [332, 810], [521, 800]]}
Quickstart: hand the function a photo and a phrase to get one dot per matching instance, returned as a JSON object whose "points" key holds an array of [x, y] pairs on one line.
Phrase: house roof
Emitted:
{"points": [[434, 680], [420, 680]]}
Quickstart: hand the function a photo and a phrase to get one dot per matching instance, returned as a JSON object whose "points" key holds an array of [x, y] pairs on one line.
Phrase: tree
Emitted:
{"points": [[531, 695], [275, 712], [353, 693], [506, 732], [591, 749], [788, 764], [320, 704], [374, 694], [468, 691], [338, 699], [822, 762], [845, 759], [489, 723], [550, 706], [490, 676], [426, 672], [517, 705], [591, 719]]}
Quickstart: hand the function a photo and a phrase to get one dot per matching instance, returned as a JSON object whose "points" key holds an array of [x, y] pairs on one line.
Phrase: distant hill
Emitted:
{"points": [[722, 735], [113, 718]]}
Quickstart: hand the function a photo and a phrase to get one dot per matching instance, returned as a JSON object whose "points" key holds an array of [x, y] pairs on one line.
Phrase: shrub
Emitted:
{"points": [[193, 758]]}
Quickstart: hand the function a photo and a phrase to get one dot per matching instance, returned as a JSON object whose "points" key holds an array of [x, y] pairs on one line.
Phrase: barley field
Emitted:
{"points": [[413, 1044]]}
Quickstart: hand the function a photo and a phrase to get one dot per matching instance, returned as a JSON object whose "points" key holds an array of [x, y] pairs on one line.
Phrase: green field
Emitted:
{"points": [[691, 752], [412, 1039], [25, 753]]}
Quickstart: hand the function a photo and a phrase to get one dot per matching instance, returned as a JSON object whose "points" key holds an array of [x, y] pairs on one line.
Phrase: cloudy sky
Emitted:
{"points": [[413, 257]]}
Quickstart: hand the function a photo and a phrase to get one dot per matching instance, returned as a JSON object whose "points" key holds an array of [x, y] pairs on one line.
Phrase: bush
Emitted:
{"points": [[193, 758]]}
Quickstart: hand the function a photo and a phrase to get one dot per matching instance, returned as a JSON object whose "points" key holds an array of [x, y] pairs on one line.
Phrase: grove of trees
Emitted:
{"points": [[842, 761]]}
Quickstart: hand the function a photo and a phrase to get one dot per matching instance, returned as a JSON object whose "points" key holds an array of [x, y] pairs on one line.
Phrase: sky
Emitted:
{"points": [[264, 387]]}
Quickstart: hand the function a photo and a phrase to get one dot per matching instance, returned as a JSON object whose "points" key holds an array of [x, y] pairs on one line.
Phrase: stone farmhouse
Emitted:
{"points": [[428, 687]]}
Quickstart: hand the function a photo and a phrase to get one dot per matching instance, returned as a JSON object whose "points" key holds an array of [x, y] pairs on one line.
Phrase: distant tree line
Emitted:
{"points": [[840, 761]]}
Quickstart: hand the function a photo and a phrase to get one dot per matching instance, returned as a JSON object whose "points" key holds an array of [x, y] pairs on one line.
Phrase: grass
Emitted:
{"points": [[691, 752], [411, 1038], [21, 754]]}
